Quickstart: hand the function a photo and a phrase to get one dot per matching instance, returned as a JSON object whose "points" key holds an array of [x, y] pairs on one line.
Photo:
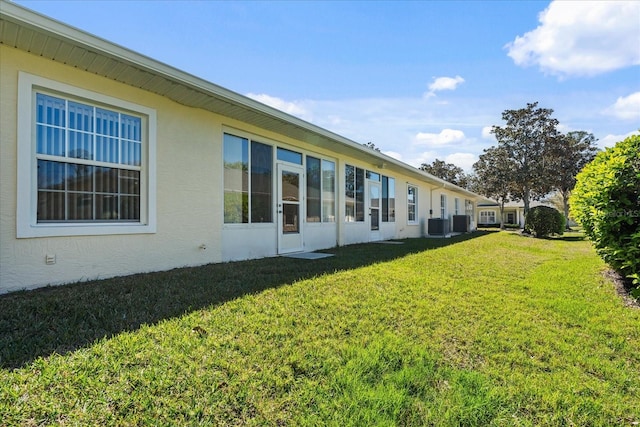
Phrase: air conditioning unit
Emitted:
{"points": [[461, 223], [438, 226]]}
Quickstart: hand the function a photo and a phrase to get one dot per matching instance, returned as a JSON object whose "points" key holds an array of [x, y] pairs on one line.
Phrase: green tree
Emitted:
{"points": [[572, 152], [529, 139], [493, 179], [606, 202], [372, 146], [447, 171]]}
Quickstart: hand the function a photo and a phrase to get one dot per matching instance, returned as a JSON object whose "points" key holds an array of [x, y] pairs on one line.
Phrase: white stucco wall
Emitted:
{"points": [[188, 212]]}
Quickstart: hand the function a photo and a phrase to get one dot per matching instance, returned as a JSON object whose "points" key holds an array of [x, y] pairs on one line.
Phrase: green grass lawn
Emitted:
{"points": [[487, 329]]}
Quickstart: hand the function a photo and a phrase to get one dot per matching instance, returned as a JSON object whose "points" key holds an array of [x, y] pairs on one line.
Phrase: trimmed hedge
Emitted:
{"points": [[542, 221], [606, 202]]}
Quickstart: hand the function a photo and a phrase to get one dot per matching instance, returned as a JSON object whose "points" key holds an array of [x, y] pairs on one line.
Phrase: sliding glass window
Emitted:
{"points": [[328, 191], [314, 180], [388, 199], [261, 182], [248, 181], [320, 190], [354, 194]]}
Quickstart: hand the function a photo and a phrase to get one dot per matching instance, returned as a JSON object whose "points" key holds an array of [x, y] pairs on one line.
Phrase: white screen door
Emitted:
{"points": [[290, 208]]}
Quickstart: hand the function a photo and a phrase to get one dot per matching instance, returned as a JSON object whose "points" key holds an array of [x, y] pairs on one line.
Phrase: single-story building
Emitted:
{"points": [[112, 163]]}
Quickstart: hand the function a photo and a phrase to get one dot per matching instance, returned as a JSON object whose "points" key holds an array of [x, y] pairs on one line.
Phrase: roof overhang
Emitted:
{"points": [[40, 35]]}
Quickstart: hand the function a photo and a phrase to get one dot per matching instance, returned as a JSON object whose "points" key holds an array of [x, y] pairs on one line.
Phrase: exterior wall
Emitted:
{"points": [[189, 177], [188, 213], [450, 207], [320, 236]]}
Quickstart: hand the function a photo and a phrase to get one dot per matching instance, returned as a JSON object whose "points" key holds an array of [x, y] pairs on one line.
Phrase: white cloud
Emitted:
{"points": [[581, 38], [463, 160], [626, 108], [445, 137], [610, 140], [443, 83], [293, 108], [486, 132]]}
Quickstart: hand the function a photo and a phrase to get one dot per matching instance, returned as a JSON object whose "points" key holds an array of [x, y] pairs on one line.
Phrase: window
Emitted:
{"points": [[487, 217], [289, 156], [457, 206], [443, 206], [321, 200], [261, 182], [412, 203], [373, 176], [248, 182], [328, 191], [388, 199], [85, 162], [354, 194], [468, 207], [89, 162], [314, 189]]}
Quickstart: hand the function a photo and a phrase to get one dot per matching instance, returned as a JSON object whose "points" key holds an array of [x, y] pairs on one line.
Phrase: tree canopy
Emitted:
{"points": [[447, 171], [531, 159], [529, 140], [371, 145]]}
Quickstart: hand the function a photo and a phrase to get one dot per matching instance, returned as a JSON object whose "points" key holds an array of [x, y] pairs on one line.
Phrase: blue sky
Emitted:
{"points": [[419, 79]]}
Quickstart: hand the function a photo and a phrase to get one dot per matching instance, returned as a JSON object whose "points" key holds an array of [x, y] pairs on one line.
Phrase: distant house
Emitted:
{"points": [[112, 163], [489, 213]]}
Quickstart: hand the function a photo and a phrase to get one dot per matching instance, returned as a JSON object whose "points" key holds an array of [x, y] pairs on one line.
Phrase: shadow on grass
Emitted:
{"points": [[61, 319], [573, 238], [570, 236]]}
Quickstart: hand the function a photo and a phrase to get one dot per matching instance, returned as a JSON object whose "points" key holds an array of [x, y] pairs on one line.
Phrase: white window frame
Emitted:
{"points": [[457, 206], [391, 184], [443, 206], [415, 203], [27, 225], [486, 214], [354, 219], [332, 217]]}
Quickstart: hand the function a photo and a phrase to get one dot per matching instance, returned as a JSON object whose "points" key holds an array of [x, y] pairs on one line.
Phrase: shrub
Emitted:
{"points": [[543, 221], [606, 202], [512, 226]]}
